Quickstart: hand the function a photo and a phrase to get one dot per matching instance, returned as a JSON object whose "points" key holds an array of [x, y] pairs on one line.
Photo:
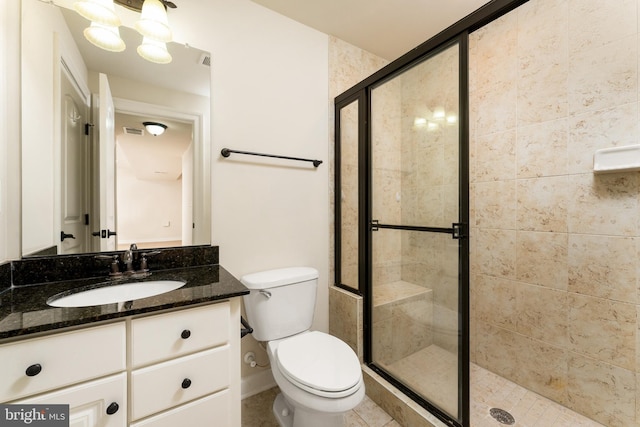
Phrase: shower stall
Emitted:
{"points": [[402, 215]]}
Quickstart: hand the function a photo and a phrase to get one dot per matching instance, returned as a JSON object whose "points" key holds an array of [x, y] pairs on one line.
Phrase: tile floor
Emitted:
{"points": [[487, 390], [256, 412]]}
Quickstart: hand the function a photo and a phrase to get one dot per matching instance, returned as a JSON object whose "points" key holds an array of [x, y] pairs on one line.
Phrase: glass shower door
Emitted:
{"points": [[417, 259]]}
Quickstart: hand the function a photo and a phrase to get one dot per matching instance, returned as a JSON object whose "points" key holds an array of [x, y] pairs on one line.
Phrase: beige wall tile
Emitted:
{"points": [[542, 314], [542, 149], [496, 156], [495, 204], [496, 301], [603, 266], [541, 259], [496, 252], [588, 132], [542, 204], [595, 23], [601, 391], [603, 329], [604, 204], [604, 76]]}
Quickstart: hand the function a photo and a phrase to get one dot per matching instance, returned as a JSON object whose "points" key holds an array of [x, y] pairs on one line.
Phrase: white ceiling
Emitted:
{"points": [[387, 28]]}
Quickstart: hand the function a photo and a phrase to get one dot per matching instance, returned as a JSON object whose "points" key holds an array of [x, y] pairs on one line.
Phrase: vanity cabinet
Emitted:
{"points": [[177, 358], [175, 368]]}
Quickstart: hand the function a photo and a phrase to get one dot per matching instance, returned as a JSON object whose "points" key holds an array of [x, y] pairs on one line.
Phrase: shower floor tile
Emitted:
{"points": [[488, 390], [529, 409]]}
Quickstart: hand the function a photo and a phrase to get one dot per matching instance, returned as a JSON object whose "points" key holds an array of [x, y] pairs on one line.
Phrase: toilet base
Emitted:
{"points": [[287, 416]]}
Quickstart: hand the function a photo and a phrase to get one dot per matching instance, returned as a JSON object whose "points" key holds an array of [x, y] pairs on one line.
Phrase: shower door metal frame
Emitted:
{"points": [[457, 33], [458, 230]]}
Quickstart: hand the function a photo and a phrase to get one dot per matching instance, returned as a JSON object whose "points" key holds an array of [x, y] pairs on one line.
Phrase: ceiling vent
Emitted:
{"points": [[133, 131], [205, 60]]}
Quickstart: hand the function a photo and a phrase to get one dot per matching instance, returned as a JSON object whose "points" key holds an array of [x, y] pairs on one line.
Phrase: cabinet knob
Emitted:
{"points": [[112, 408], [33, 370], [185, 334], [186, 383]]}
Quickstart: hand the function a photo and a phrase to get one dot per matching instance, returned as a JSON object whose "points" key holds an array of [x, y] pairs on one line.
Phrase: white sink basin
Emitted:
{"points": [[115, 293]]}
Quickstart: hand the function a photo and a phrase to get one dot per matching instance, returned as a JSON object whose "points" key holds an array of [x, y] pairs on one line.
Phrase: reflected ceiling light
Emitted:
{"points": [[105, 37], [452, 119], [438, 113], [155, 128], [99, 11], [419, 121], [153, 21], [154, 51]]}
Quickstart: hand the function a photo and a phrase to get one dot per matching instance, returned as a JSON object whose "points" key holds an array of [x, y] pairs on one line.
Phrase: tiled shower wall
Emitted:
{"points": [[554, 284]]}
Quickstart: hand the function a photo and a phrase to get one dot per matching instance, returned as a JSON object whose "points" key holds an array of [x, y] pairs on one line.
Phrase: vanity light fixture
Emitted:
{"points": [[103, 31], [154, 51], [153, 26], [155, 128], [153, 21], [98, 11], [106, 37]]}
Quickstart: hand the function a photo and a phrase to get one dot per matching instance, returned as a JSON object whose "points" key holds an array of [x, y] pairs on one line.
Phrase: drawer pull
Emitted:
{"points": [[185, 334], [112, 408], [186, 383], [33, 370]]}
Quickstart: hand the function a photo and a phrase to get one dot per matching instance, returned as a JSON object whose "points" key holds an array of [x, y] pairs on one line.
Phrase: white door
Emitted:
{"points": [[74, 180], [107, 167]]}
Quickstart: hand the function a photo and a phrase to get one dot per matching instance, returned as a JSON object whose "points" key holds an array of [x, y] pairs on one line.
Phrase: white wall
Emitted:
{"points": [[146, 206], [9, 130], [270, 94]]}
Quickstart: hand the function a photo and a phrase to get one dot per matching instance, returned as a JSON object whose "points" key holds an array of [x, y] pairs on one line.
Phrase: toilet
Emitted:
{"points": [[319, 375]]}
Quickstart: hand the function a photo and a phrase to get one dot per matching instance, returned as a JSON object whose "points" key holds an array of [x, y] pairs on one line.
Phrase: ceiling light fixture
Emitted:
{"points": [[155, 128]]}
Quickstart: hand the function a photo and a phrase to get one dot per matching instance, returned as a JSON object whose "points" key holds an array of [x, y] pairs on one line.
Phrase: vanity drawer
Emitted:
{"points": [[211, 411], [101, 402], [170, 335], [64, 359], [171, 383]]}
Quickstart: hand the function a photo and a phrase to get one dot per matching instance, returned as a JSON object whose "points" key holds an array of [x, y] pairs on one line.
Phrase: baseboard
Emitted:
{"points": [[254, 384]]}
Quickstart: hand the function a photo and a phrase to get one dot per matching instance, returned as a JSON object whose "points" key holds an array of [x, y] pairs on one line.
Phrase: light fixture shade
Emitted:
{"points": [[155, 128], [153, 21], [105, 37], [154, 51], [100, 11]]}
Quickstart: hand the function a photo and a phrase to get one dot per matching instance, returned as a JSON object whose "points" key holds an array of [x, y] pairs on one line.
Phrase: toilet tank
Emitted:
{"points": [[280, 302]]}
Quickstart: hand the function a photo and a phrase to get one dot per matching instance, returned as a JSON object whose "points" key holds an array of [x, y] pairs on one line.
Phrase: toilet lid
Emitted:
{"points": [[319, 361]]}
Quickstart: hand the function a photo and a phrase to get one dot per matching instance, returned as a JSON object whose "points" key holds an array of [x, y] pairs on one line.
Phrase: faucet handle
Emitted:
{"points": [[114, 266], [143, 261]]}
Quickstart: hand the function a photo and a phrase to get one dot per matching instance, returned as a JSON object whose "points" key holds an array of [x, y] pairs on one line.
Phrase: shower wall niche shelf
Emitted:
{"points": [[617, 159]]}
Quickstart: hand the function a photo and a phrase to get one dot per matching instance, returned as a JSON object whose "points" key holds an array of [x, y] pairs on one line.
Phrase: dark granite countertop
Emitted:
{"points": [[24, 310]]}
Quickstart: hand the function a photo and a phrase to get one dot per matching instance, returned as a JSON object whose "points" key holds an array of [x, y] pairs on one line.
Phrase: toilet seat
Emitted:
{"points": [[320, 364]]}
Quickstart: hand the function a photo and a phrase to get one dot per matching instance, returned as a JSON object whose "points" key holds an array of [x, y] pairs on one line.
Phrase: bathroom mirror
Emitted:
{"points": [[160, 184]]}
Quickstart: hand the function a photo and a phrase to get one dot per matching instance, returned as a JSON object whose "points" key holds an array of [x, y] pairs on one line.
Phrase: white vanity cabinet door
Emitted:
{"points": [[64, 359], [212, 411], [90, 401], [166, 336], [162, 386]]}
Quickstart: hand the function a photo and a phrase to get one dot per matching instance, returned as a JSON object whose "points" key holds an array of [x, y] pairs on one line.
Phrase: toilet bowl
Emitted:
{"points": [[320, 379], [319, 375]]}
